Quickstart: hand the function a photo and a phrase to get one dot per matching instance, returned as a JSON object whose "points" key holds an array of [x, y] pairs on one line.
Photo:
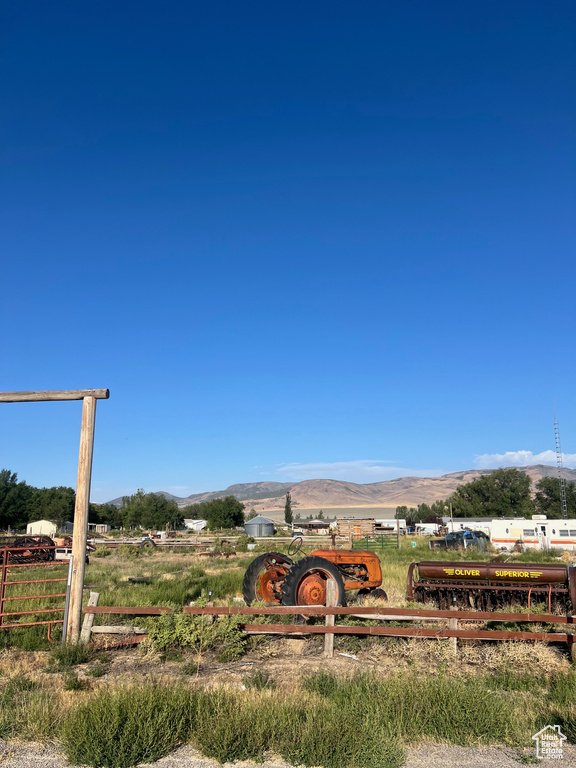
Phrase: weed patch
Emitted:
{"points": [[27, 710], [441, 708], [259, 679], [127, 726], [197, 633], [64, 657]]}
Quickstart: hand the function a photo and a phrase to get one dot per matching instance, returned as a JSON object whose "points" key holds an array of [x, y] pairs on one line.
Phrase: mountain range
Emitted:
{"points": [[345, 498]]}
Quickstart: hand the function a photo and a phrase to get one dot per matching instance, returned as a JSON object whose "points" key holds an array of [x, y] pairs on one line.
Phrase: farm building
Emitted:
{"points": [[390, 526], [194, 525], [356, 527], [259, 526], [321, 527], [42, 528], [98, 527]]}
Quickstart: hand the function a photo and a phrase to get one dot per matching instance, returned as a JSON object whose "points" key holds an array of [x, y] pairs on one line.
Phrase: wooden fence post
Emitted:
{"points": [[453, 624], [89, 618], [330, 602]]}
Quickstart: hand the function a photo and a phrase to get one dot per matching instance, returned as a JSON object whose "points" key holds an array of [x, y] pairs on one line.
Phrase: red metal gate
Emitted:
{"points": [[13, 558]]}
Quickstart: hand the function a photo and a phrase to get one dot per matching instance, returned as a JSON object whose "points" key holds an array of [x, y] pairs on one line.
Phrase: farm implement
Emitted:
{"points": [[277, 579]]}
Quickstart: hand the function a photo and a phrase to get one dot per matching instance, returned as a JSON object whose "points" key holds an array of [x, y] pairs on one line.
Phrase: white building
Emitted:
{"points": [[98, 527], [427, 529], [41, 528], [195, 525]]}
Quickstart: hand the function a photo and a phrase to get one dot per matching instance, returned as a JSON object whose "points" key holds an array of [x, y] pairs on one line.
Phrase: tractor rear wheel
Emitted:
{"points": [[257, 583], [305, 582]]}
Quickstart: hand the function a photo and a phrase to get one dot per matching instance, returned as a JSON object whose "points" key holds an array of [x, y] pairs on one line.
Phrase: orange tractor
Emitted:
{"points": [[276, 578]]}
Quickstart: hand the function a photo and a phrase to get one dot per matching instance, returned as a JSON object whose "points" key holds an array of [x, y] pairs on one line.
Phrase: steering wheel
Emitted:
{"points": [[295, 546]]}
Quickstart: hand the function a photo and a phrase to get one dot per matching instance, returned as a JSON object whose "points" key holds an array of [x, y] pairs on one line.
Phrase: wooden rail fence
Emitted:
{"points": [[453, 617]]}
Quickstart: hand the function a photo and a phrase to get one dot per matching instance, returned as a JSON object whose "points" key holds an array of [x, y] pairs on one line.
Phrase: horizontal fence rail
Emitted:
{"points": [[393, 614], [387, 614]]}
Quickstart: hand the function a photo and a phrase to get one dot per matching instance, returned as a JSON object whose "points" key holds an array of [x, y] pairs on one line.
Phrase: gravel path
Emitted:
{"points": [[13, 755]]}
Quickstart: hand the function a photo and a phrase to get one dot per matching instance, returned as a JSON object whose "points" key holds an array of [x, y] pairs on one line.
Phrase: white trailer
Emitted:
{"points": [[536, 533]]}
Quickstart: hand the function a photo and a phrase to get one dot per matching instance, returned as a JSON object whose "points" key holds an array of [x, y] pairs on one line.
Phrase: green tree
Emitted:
{"points": [[288, 518], [502, 493], [401, 513], [14, 500], [547, 498], [226, 512], [408, 514], [252, 514], [55, 504], [109, 514], [150, 510]]}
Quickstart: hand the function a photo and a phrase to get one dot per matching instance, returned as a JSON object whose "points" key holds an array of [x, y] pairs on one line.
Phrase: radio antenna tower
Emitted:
{"points": [[560, 465]]}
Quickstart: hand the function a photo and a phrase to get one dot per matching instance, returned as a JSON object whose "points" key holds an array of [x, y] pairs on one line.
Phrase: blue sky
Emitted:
{"points": [[293, 240]]}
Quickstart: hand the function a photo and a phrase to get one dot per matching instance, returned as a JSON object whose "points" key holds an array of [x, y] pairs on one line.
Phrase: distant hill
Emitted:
{"points": [[310, 495], [242, 492]]}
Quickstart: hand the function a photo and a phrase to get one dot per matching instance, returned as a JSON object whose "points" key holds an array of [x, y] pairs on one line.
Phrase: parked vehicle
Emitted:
{"points": [[461, 540]]}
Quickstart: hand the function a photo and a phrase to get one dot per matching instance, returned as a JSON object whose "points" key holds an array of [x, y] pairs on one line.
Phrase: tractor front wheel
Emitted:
{"points": [[258, 581], [305, 582]]}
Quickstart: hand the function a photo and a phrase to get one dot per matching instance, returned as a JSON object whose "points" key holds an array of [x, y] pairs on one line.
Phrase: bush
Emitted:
{"points": [[97, 670], [441, 708], [72, 682], [27, 638], [130, 551], [28, 711], [227, 729], [259, 679], [334, 736], [198, 633], [101, 551], [243, 541], [64, 657], [128, 726]]}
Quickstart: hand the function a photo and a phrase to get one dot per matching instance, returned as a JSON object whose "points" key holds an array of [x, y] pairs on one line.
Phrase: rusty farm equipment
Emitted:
{"points": [[489, 586], [29, 549], [276, 578]]}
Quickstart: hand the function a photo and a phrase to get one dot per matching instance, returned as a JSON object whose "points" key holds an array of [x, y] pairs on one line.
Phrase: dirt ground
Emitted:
{"points": [[14, 755]]}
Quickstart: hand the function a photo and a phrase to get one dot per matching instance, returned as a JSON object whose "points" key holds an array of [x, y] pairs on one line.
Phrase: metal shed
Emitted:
{"points": [[259, 526]]}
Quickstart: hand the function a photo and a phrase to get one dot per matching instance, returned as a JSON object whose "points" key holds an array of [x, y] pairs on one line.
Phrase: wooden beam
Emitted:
{"points": [[80, 535], [118, 629], [63, 394]]}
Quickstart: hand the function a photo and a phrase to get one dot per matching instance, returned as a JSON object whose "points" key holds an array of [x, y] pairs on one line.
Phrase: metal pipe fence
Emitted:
{"points": [[28, 557]]}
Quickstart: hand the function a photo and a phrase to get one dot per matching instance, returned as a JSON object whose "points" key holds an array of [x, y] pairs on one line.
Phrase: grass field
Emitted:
{"points": [[205, 684]]}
